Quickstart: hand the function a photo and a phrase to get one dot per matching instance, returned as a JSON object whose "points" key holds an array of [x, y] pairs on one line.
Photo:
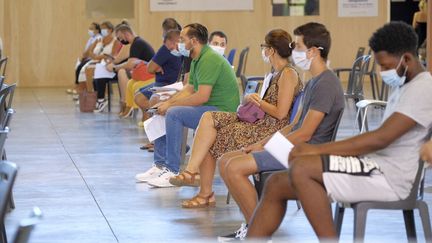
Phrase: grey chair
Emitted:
{"points": [[3, 64], [241, 68], [373, 77], [407, 206], [8, 172], [251, 84], [338, 71], [261, 178], [27, 225]]}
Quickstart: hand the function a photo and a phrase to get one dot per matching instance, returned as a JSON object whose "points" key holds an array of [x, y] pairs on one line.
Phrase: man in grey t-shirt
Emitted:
{"points": [[375, 166], [323, 102]]}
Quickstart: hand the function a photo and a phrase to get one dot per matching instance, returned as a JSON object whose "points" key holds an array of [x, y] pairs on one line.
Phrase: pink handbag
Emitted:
{"points": [[250, 112]]}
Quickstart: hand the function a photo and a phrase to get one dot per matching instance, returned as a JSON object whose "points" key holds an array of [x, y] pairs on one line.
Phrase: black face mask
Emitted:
{"points": [[124, 42]]}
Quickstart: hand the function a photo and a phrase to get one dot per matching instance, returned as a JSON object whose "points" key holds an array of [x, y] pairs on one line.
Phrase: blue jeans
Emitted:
{"points": [[167, 149]]}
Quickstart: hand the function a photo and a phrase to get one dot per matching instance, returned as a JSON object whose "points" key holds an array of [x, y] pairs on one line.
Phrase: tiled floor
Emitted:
{"points": [[79, 169]]}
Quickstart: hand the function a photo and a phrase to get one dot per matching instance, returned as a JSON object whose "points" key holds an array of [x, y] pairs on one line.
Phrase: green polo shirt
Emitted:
{"points": [[212, 69]]}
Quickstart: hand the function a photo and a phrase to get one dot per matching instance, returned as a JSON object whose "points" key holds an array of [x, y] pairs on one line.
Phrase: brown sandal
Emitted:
{"points": [[183, 180], [195, 203]]}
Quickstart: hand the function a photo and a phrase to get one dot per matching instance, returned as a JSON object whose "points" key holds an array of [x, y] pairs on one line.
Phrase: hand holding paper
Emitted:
{"points": [[279, 147]]}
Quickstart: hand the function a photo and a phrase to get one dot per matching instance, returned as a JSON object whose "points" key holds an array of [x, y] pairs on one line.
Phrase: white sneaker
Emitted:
{"points": [[162, 180], [100, 106], [153, 172], [240, 234]]}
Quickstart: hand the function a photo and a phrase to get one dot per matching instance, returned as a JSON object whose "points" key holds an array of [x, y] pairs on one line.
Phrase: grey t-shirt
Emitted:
{"points": [[323, 93], [399, 160]]}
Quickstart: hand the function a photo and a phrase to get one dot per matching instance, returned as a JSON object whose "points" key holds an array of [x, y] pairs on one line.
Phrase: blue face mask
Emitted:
{"points": [[176, 53], [182, 49], [104, 32], [392, 78]]}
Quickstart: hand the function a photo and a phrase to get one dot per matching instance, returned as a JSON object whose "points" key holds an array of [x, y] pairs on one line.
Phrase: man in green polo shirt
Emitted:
{"points": [[212, 87]]}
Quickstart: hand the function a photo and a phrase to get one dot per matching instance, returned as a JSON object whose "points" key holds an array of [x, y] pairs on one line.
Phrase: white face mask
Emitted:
{"points": [[104, 32], [265, 58], [182, 49], [392, 78], [91, 33], [176, 53], [220, 50], [300, 59]]}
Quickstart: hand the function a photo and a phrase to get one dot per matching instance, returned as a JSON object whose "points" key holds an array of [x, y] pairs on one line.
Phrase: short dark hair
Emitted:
{"points": [[108, 24], [395, 38], [171, 34], [218, 33], [170, 24], [279, 40], [97, 26], [198, 31], [315, 35]]}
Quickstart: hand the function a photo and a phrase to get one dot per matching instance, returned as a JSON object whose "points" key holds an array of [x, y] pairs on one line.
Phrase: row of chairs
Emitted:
{"points": [[8, 170], [354, 91]]}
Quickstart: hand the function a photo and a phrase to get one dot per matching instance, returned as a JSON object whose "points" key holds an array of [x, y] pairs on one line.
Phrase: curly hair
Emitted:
{"points": [[395, 38]]}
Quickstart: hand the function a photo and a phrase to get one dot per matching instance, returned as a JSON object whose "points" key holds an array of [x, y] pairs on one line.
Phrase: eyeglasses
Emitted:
{"points": [[264, 46]]}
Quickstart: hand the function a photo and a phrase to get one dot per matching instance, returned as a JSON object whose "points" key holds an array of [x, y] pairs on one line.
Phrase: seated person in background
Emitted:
{"points": [[110, 48], [95, 36], [386, 160], [323, 102], [218, 42], [212, 86], [140, 50], [169, 24], [100, 84], [165, 65], [426, 152], [222, 132], [420, 22], [107, 46]]}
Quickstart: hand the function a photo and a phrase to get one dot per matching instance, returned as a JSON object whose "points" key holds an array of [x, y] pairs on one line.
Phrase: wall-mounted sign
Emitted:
{"points": [[201, 5], [358, 8], [295, 7]]}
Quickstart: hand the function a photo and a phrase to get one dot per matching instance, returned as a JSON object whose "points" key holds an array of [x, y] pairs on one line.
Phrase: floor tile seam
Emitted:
{"points": [[74, 163]]}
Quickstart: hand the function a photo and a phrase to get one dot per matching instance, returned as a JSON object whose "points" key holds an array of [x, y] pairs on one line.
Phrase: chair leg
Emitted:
{"points": [[338, 218], [3, 238], [109, 95], [410, 225], [424, 215], [360, 215], [298, 205], [372, 86]]}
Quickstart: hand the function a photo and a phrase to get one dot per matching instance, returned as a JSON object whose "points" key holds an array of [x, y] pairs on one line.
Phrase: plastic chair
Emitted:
{"points": [[373, 77], [338, 71], [3, 64], [8, 173], [407, 206], [231, 56], [241, 68], [27, 225]]}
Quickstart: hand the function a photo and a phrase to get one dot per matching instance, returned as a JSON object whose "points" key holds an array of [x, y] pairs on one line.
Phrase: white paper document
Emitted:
{"points": [[168, 88], [102, 72], [155, 127], [279, 147]]}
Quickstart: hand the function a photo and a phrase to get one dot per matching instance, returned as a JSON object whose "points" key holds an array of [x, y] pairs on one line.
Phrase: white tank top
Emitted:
{"points": [[101, 49]]}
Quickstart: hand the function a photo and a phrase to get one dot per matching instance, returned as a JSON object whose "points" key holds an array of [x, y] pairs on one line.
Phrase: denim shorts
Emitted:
{"points": [[266, 162]]}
